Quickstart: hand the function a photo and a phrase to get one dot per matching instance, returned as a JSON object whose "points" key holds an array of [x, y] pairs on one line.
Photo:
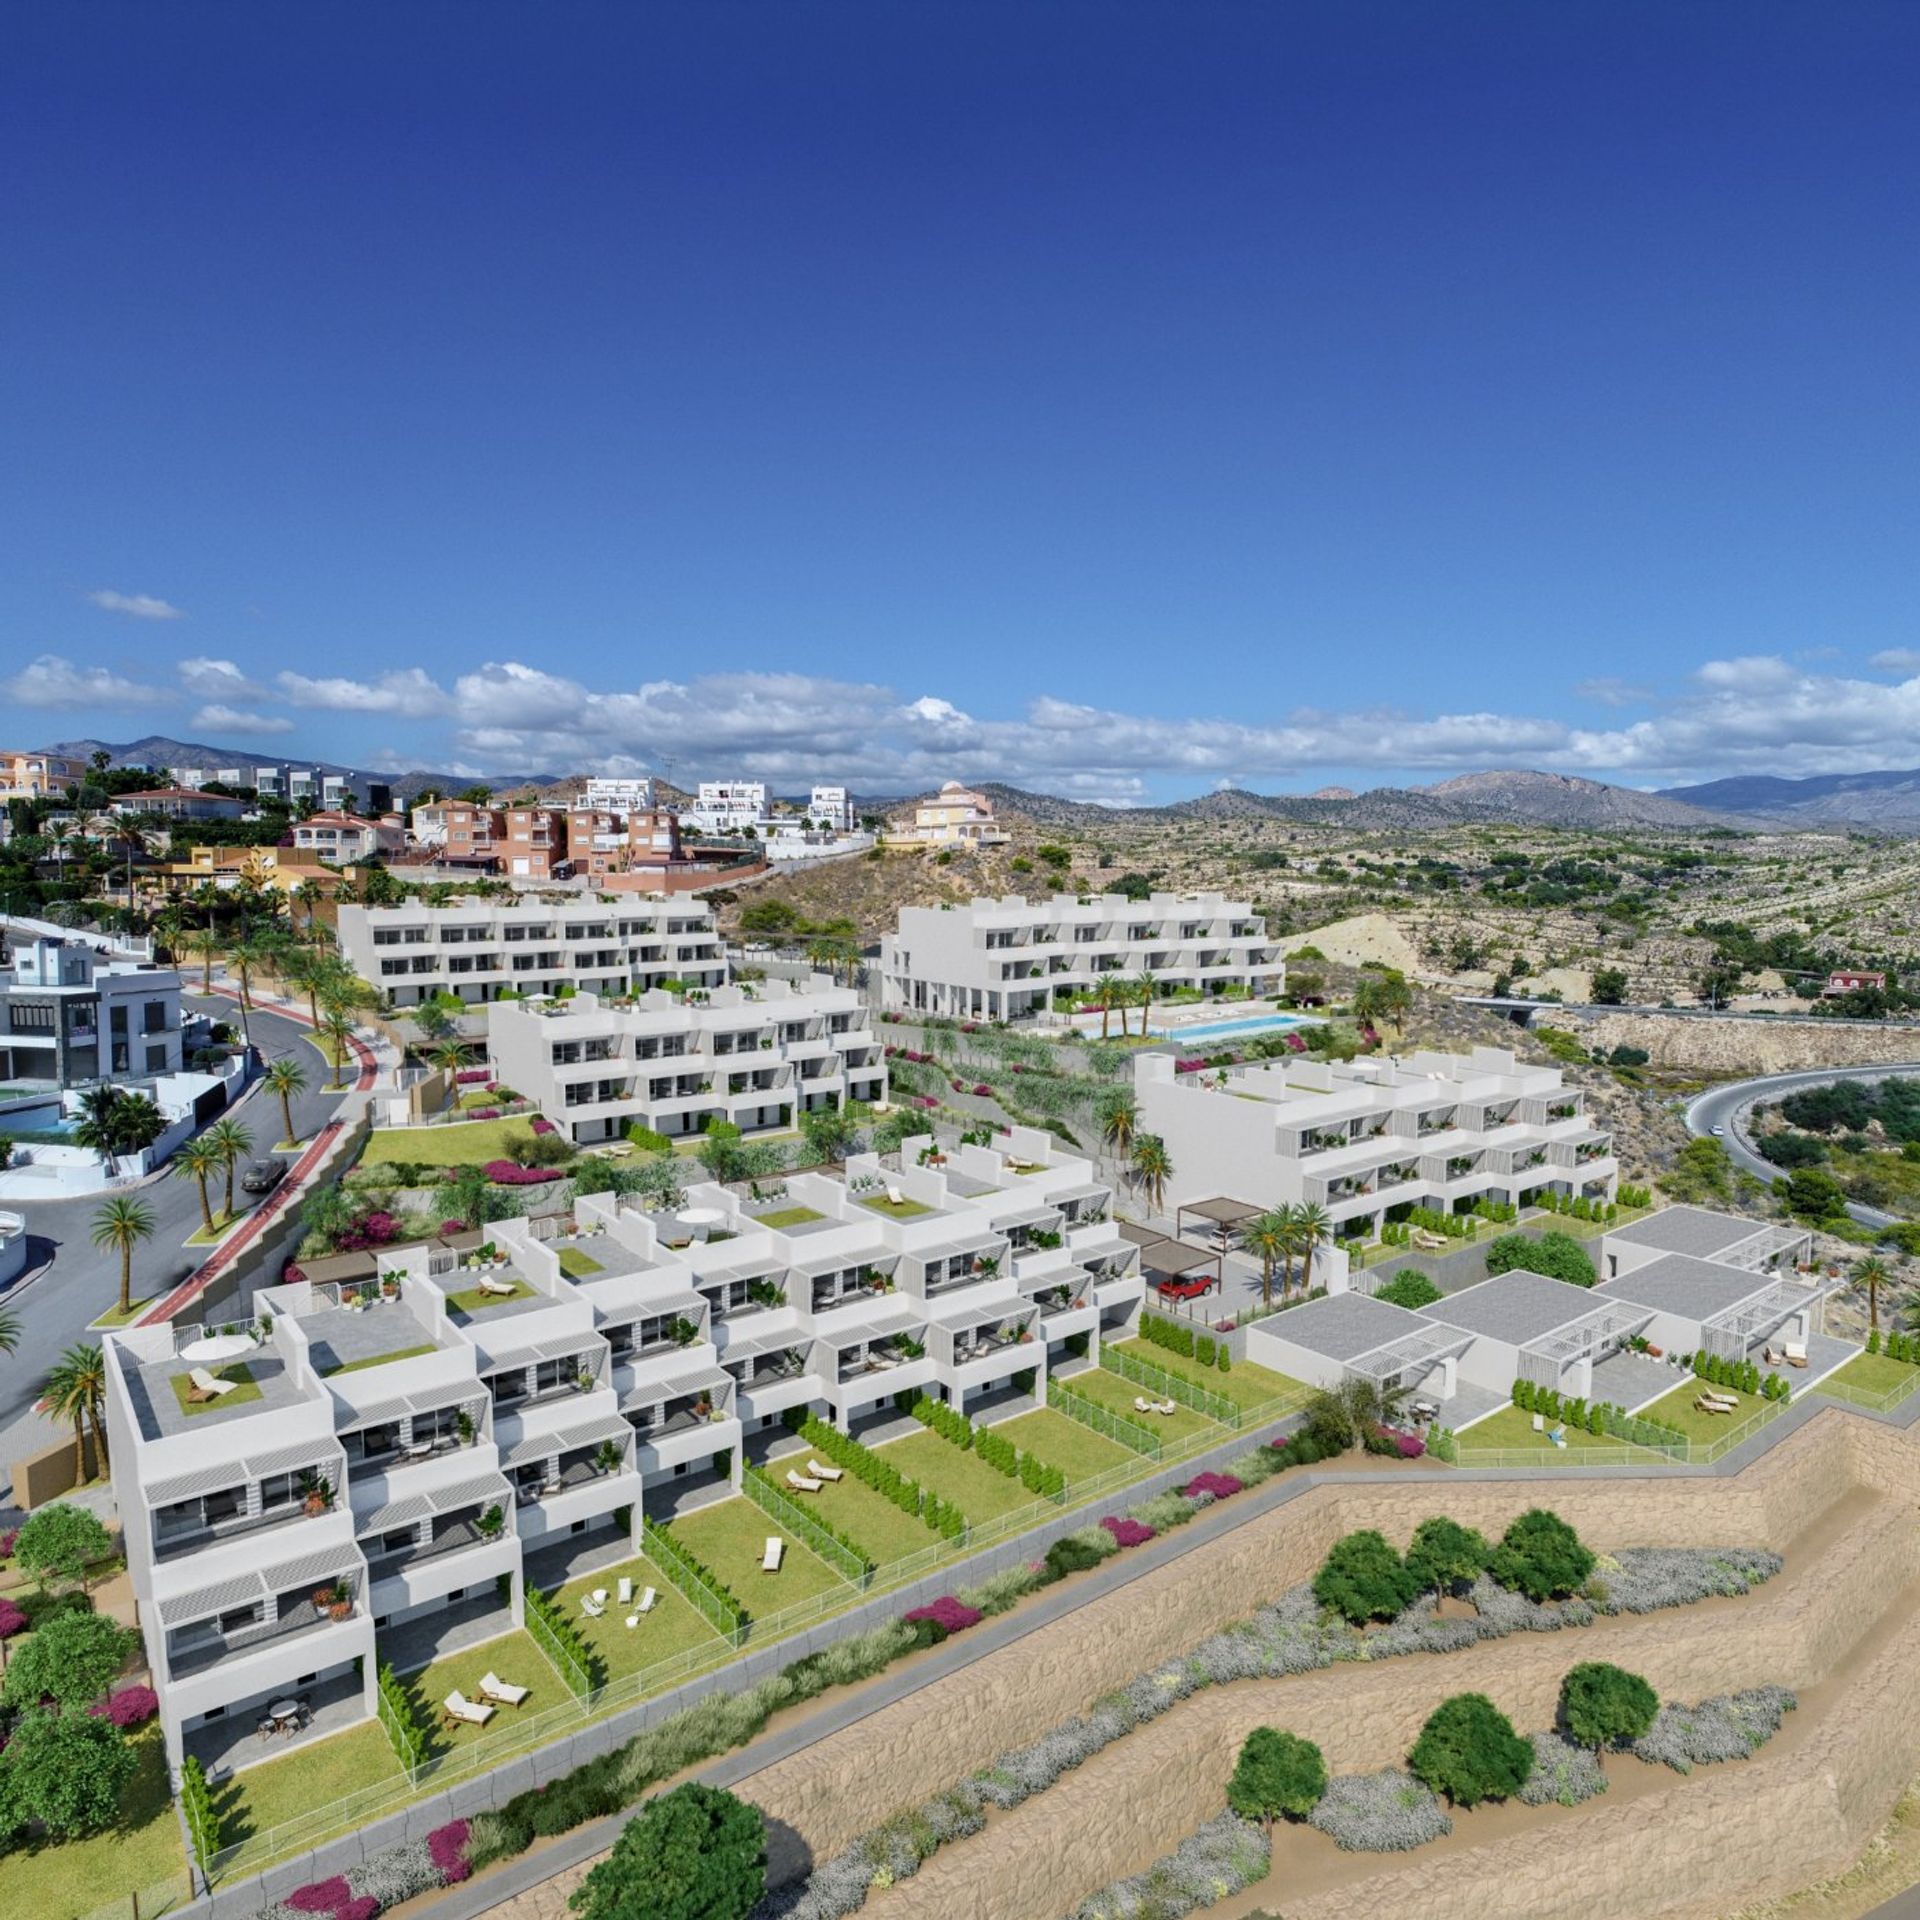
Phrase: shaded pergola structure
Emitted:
{"points": [[1167, 1259], [1220, 1213]]}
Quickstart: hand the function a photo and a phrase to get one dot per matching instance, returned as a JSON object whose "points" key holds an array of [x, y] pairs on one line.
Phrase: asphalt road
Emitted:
{"points": [[55, 1301], [1719, 1111]]}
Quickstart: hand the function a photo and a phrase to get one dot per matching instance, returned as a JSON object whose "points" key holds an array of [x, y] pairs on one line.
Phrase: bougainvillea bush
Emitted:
{"points": [[1127, 1532], [1221, 1485], [946, 1613], [130, 1707], [510, 1173]]}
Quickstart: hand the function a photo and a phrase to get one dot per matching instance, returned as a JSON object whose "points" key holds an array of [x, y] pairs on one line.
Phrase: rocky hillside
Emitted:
{"points": [[1561, 800]]}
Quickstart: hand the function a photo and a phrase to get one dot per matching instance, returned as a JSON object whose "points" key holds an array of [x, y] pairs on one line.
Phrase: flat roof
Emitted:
{"points": [[1516, 1306], [1221, 1211], [1698, 1231], [1692, 1289], [1343, 1326]]}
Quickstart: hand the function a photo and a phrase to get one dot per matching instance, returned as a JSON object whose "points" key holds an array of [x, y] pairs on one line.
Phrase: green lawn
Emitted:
{"points": [[863, 1516], [1117, 1395], [905, 1209], [74, 1877], [1677, 1410], [577, 1265], [1874, 1374], [245, 1388], [376, 1360], [514, 1658], [672, 1626], [1078, 1451], [788, 1217], [301, 1783], [113, 1317], [223, 1224], [980, 1492], [729, 1537], [1511, 1427], [1248, 1385], [464, 1143], [475, 1299]]}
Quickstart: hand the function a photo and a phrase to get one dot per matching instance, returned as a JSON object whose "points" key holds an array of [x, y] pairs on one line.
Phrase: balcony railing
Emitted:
{"points": [[194, 1654]]}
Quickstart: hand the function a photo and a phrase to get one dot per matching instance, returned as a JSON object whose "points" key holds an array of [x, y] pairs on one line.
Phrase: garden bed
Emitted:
{"points": [[1248, 1385], [1108, 1390], [671, 1628], [1676, 1410], [461, 1143]]}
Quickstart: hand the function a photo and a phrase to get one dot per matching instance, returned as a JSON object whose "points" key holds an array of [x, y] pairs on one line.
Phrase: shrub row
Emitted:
{"points": [[870, 1470], [1597, 1416], [543, 1617], [1741, 1376], [1036, 1475], [1577, 1206], [402, 1723], [821, 1535], [1896, 1346], [709, 1594], [1634, 1196], [1181, 1337]]}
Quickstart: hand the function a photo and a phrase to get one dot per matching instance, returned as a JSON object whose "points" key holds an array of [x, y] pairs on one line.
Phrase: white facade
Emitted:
{"points": [[618, 796], [758, 1056], [1009, 958], [70, 1015], [1375, 1135], [477, 949], [729, 806], [832, 808], [540, 1421]]}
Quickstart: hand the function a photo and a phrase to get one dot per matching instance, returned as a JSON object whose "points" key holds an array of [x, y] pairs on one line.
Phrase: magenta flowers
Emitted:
{"points": [[1221, 1485], [1127, 1532]]}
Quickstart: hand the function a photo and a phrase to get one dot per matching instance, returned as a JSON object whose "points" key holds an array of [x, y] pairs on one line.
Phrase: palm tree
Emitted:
{"points": [[203, 944], [309, 894], [449, 1056], [1152, 1167], [286, 1077], [1105, 996], [121, 1225], [1146, 983], [232, 1143], [9, 1330], [1870, 1271], [98, 1128], [199, 1160], [1266, 1236], [76, 1391], [337, 1025], [1119, 1116], [1312, 1228]]}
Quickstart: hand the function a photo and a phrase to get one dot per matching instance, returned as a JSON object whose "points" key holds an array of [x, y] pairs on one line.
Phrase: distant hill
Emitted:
{"points": [[1564, 800], [1887, 802]]}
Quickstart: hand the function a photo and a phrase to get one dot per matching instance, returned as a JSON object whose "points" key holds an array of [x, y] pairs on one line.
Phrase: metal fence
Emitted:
{"points": [[1112, 1426], [1874, 1399], [1171, 1386]]}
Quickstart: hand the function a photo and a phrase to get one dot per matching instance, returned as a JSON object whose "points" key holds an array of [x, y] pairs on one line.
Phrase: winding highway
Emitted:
{"points": [[1722, 1111]]}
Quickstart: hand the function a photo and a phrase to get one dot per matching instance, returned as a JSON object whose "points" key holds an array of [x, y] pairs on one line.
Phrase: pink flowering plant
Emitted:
{"points": [[1221, 1485], [1127, 1532]]}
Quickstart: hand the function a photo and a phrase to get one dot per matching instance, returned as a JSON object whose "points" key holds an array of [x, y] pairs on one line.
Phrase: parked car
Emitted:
{"points": [[263, 1176]]}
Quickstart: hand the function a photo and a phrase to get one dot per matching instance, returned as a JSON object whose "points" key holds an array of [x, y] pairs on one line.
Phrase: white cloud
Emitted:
{"points": [[1897, 660], [225, 719], [220, 680], [409, 691], [1609, 692], [141, 606], [52, 681]]}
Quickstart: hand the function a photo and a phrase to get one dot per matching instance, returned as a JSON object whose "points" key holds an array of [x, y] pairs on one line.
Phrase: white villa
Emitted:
{"points": [[1375, 1136], [757, 1055], [401, 1449], [1010, 958]]}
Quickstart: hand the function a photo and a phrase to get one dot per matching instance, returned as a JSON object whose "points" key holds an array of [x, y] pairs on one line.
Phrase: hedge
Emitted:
{"points": [[870, 1470]]}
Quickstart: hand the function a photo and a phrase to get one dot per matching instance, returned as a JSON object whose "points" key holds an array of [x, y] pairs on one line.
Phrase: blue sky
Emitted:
{"points": [[1120, 399]]}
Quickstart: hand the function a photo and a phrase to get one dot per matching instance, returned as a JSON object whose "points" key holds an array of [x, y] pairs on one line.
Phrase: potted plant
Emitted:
{"points": [[336, 1602], [491, 1523], [703, 1408], [583, 1382], [463, 1426], [390, 1284], [316, 1493], [607, 1457]]}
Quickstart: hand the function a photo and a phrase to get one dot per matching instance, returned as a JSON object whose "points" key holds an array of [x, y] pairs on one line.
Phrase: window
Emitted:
{"points": [[154, 1017], [117, 1021], [156, 1059]]}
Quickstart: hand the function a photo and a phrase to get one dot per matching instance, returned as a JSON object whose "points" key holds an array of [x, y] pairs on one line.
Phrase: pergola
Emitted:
{"points": [[1222, 1214], [1761, 1315], [1544, 1361], [1415, 1353]]}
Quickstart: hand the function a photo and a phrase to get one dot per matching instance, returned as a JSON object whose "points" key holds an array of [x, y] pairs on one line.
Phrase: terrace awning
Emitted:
{"points": [[255, 1466], [965, 1319], [1587, 1335], [421, 1506], [672, 1386], [310, 1570], [1423, 1349], [1219, 1211], [1176, 1257], [589, 1433]]}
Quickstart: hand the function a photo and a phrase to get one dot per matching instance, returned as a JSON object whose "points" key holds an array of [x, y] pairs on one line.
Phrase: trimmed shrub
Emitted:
{"points": [[1602, 1705], [1277, 1773], [130, 1707], [1127, 1532], [1541, 1556], [1469, 1751], [1409, 1288], [1445, 1557], [1554, 1253], [1363, 1579]]}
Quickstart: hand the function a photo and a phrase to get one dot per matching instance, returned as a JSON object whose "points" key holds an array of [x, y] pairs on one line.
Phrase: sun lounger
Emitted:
{"points": [[1706, 1403], [1168, 1406], [626, 1588], [801, 1483], [1141, 1404], [459, 1707], [647, 1600], [494, 1688], [1557, 1436], [1539, 1423], [593, 1608], [819, 1472], [895, 1198], [206, 1387], [776, 1551], [1796, 1352], [488, 1284]]}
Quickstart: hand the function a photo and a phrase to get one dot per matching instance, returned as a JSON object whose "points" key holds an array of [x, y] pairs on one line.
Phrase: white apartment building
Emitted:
{"points": [[831, 808], [757, 1055], [478, 949], [1010, 958], [729, 806], [70, 1015], [1368, 1139], [416, 1447], [617, 796]]}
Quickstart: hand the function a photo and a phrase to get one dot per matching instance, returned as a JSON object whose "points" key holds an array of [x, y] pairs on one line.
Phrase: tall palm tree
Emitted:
{"points": [[1870, 1271], [1152, 1167], [309, 894], [120, 1225], [203, 944], [336, 1024], [1146, 983], [1266, 1237], [1312, 1228], [449, 1056], [286, 1077], [232, 1143], [199, 1160], [1106, 996], [75, 1390]]}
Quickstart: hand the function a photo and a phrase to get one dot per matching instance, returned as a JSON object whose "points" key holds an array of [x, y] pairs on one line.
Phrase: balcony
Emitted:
{"points": [[256, 1610]]}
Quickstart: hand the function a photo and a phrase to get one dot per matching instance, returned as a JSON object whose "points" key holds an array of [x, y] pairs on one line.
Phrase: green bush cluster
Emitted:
{"points": [[544, 1617], [1408, 1288], [1739, 1376], [1896, 1346], [646, 1139], [1576, 1206], [1363, 1578], [1501, 1212], [1036, 1475], [1541, 1556], [1181, 1337], [1635, 1197], [710, 1595], [870, 1470], [1557, 1255], [1469, 1751], [821, 1535], [397, 1715]]}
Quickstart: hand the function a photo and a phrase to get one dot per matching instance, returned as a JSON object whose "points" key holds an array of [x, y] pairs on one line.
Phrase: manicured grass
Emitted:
{"points": [[863, 1516], [477, 1097], [1077, 1451], [1248, 1385], [788, 1217], [1874, 1373], [301, 1783], [113, 1317], [978, 1490], [223, 1224], [671, 1627], [377, 1360], [1677, 1410], [515, 1658], [1511, 1427], [73, 1877], [1110, 1391], [464, 1143], [729, 1537], [577, 1265], [904, 1210], [477, 1300], [245, 1388]]}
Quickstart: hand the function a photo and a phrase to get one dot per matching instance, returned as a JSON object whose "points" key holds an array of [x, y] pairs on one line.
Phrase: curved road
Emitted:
{"points": [[1722, 1109], [70, 1281]]}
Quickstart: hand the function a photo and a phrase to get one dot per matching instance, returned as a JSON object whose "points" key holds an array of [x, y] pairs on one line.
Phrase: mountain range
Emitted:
{"points": [[1888, 802]]}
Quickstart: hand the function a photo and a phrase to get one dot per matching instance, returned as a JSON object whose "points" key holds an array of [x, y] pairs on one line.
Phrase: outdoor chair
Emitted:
{"points": [[593, 1608], [488, 1284], [626, 1588], [205, 1386], [458, 1707], [1796, 1352], [801, 1482], [497, 1689], [819, 1472], [775, 1552], [1141, 1404]]}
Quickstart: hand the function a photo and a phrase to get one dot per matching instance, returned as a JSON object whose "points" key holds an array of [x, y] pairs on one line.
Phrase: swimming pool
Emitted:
{"points": [[1221, 1029]]}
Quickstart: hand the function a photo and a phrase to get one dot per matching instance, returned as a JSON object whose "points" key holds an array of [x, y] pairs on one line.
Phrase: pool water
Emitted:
{"points": [[1221, 1029]]}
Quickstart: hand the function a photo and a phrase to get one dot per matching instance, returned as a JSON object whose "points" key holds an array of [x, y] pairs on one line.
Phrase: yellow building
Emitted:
{"points": [[35, 776], [956, 816]]}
